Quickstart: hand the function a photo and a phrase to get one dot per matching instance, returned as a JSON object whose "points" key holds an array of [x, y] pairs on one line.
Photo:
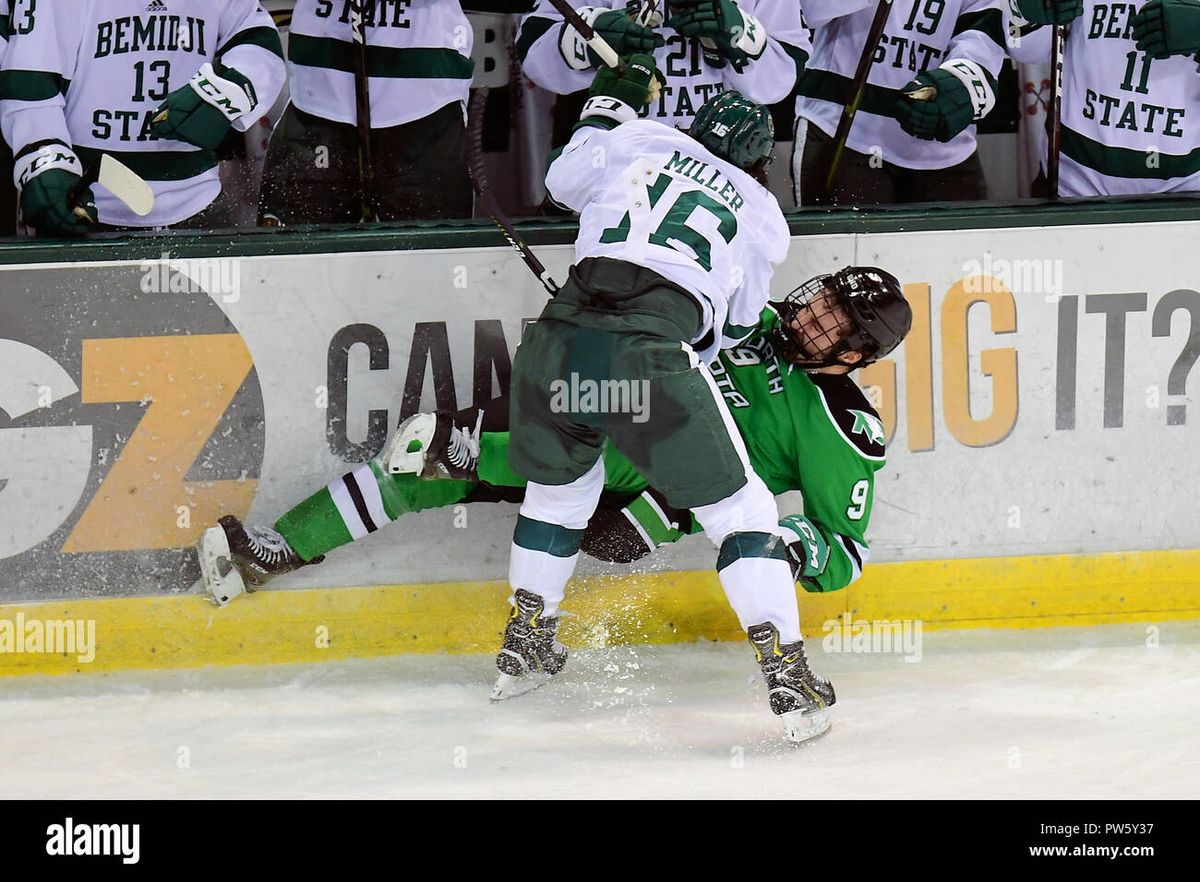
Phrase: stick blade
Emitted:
{"points": [[122, 182]]}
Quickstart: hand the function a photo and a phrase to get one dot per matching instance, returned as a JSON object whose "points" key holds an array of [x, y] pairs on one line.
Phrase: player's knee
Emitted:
{"points": [[750, 509], [751, 546]]}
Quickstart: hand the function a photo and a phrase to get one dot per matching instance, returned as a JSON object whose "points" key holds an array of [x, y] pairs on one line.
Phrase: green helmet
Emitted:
{"points": [[735, 128]]}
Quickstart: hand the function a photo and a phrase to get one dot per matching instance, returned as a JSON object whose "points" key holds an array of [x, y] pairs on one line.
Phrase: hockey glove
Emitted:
{"points": [[1048, 12], [626, 35], [1163, 28], [629, 534], [47, 180], [808, 552], [203, 111], [940, 117], [633, 88], [738, 36]]}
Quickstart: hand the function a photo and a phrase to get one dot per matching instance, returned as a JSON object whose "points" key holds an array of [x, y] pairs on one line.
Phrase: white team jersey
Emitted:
{"points": [[1130, 123], [651, 195], [418, 59], [90, 74], [691, 80], [919, 35]]}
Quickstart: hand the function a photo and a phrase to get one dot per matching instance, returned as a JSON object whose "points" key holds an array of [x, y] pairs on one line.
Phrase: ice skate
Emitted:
{"points": [[799, 697], [236, 559], [430, 445], [531, 654]]}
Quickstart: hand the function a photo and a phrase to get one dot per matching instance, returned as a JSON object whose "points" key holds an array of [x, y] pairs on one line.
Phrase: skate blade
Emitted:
{"points": [[508, 686], [221, 578], [800, 727]]}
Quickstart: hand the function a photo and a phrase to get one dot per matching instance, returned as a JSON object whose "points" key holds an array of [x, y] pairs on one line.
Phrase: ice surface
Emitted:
{"points": [[1070, 712]]}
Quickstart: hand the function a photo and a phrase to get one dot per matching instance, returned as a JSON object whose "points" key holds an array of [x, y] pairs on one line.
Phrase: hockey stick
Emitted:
{"points": [[1058, 41], [479, 181], [850, 109], [362, 105], [119, 180], [597, 43]]}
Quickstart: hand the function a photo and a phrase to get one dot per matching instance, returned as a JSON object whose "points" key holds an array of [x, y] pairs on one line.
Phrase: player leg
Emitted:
{"points": [[236, 557], [689, 449], [559, 451]]}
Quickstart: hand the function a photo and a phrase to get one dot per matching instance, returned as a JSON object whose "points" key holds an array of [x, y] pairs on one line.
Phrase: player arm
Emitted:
{"points": [[777, 53], [552, 53], [1027, 43], [976, 52], [36, 73], [821, 12], [250, 53]]}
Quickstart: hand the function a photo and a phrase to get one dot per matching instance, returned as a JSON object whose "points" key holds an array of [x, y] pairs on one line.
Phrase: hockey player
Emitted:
{"points": [[1130, 93], [157, 85], [677, 245], [8, 194], [900, 149], [420, 69], [757, 47]]}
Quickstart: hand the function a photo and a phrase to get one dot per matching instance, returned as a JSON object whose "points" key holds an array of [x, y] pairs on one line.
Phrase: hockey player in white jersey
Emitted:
{"points": [[8, 210], [156, 84], [899, 149], [418, 59], [1130, 117], [756, 47], [677, 245]]}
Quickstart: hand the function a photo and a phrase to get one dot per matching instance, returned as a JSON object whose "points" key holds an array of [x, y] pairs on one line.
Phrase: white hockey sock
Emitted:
{"points": [[760, 589]]}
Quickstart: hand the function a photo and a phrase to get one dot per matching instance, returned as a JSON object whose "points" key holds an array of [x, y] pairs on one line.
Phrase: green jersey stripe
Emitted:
{"points": [[382, 61], [828, 86], [1127, 162], [266, 38], [531, 30], [31, 85], [989, 22], [159, 165]]}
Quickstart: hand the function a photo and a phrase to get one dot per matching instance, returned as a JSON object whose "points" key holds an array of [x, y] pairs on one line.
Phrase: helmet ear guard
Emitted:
{"points": [[874, 318]]}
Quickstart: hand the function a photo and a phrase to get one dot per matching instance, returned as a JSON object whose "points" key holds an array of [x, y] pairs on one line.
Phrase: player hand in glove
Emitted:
{"points": [[47, 186], [1163, 28], [627, 35], [738, 36], [637, 84], [203, 111], [1049, 12], [941, 116], [808, 552], [630, 533]]}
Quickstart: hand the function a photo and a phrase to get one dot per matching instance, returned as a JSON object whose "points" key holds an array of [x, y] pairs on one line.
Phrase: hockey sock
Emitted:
{"points": [[360, 502], [757, 578], [543, 559]]}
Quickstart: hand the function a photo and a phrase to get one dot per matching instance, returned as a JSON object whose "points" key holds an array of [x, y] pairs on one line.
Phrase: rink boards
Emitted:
{"points": [[1039, 420]]}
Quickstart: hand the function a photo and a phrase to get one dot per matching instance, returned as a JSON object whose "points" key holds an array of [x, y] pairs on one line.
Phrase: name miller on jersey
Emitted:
{"points": [[693, 169], [150, 33]]}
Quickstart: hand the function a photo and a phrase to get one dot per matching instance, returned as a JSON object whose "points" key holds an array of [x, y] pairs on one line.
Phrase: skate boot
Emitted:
{"points": [[430, 445], [236, 558], [530, 655], [800, 698]]}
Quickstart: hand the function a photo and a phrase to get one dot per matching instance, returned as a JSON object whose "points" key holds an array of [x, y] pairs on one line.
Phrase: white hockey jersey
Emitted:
{"points": [[418, 58], [1130, 123], [90, 74], [691, 80], [919, 35], [652, 195]]}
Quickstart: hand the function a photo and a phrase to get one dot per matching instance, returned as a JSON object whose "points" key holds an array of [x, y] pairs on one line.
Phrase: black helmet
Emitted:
{"points": [[877, 317]]}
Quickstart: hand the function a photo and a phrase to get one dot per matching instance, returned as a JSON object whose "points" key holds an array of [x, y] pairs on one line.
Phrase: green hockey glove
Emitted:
{"points": [[1163, 28], [738, 36], [47, 179], [625, 34], [1048, 12], [203, 111]]}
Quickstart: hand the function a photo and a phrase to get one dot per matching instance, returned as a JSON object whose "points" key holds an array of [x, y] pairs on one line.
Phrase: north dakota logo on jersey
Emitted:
{"points": [[847, 408]]}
